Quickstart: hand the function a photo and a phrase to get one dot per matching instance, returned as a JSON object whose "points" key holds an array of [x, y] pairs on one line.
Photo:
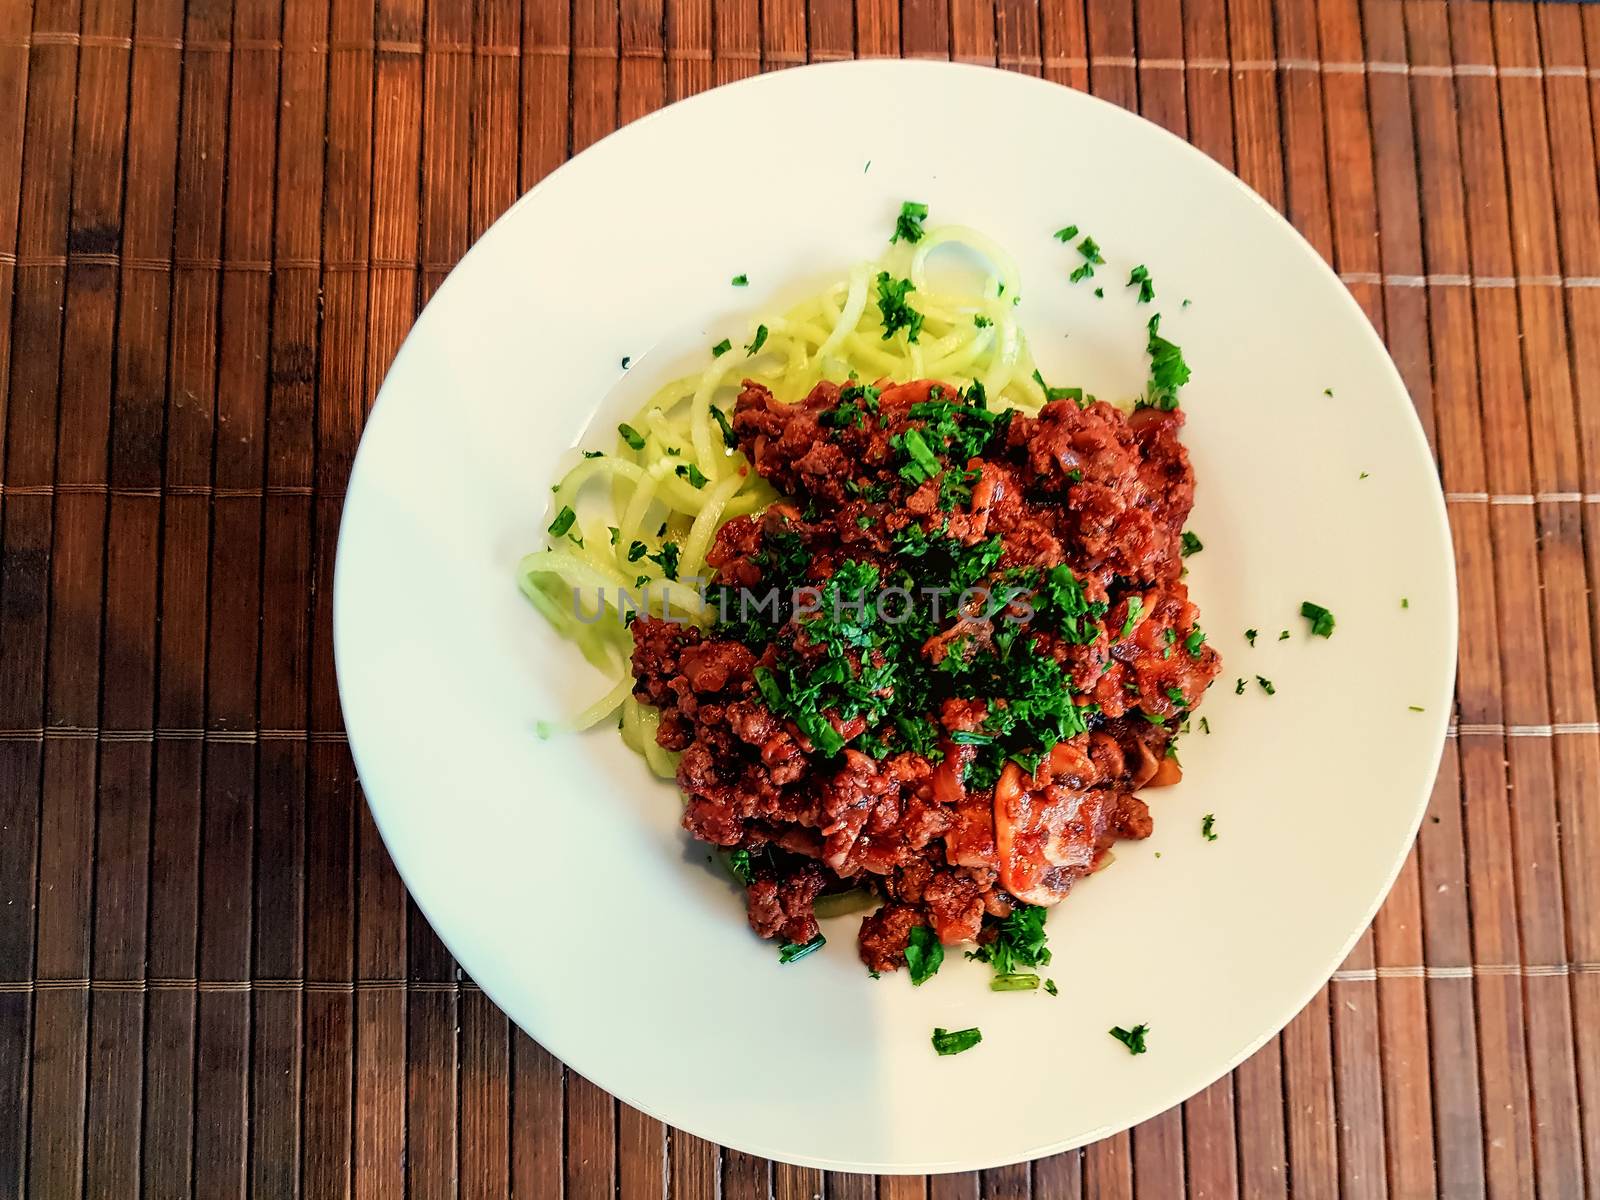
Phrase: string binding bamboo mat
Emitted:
{"points": [[216, 225]]}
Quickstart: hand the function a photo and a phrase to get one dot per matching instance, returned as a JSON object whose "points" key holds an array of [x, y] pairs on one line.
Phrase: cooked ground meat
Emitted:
{"points": [[981, 752]]}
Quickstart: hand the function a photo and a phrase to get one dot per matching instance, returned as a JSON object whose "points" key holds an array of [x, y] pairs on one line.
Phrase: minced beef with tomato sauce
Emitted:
{"points": [[941, 669]]}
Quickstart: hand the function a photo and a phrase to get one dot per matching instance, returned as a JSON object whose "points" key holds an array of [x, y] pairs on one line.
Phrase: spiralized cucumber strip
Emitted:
{"points": [[835, 333]]}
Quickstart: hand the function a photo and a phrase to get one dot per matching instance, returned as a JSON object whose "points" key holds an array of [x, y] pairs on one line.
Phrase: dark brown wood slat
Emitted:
{"points": [[380, 1042], [696, 1167], [839, 1185], [1059, 1177], [537, 1128], [795, 1183], [745, 1177], [485, 1099], [15, 23], [877, 28], [35, 339], [121, 861], [431, 1078], [1207, 87], [924, 28], [1008, 1183], [1017, 36], [67, 810], [228, 829]]}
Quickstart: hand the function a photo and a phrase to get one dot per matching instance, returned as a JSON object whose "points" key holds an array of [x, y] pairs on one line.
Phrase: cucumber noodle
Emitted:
{"points": [[966, 335]]}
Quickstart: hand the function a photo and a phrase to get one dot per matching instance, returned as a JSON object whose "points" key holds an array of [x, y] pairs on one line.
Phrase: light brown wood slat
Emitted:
{"points": [[1108, 1168], [546, 88], [793, 1183], [537, 1129], [924, 28], [1211, 1148], [1525, 1039], [1017, 36], [831, 28], [1208, 89], [688, 47], [1572, 675], [595, 71], [641, 1155], [736, 51], [1063, 38], [1158, 34], [695, 1167], [485, 1099], [1258, 1105], [783, 33], [496, 98], [877, 28]]}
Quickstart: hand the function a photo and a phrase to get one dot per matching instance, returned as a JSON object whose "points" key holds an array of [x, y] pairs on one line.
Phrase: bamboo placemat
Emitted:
{"points": [[216, 226]]}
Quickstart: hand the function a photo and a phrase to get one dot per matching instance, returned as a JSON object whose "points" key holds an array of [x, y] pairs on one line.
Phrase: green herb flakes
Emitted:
{"points": [[1133, 1038], [908, 224], [948, 1042], [1321, 619]]}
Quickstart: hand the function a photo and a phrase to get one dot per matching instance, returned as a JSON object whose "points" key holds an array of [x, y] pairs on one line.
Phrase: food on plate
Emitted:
{"points": [[907, 625]]}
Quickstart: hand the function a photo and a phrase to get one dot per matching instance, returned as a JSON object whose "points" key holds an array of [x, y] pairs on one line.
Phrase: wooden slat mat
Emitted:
{"points": [[216, 225]]}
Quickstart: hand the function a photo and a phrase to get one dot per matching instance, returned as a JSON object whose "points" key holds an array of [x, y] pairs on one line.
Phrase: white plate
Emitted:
{"points": [[556, 871]]}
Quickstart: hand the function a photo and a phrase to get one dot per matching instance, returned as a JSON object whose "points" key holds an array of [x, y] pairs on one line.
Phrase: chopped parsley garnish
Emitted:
{"points": [[1168, 370], [1133, 1038], [721, 419], [614, 532], [1099, 293], [760, 341], [1147, 289], [1208, 827], [1196, 639], [1327, 391], [1050, 986], [981, 321], [1014, 983], [626, 359], [1238, 687], [897, 314], [1363, 475], [1321, 619], [1135, 608], [794, 951], [1191, 544], [1266, 685], [947, 1041], [1405, 602], [1090, 249], [563, 522], [924, 955], [667, 559], [1415, 707], [692, 473], [921, 465], [1175, 694], [594, 453], [1019, 941], [741, 280], [1283, 636], [1250, 636], [1066, 234], [1083, 271], [1205, 726], [632, 436], [908, 224], [721, 348], [636, 551], [1075, 394], [740, 867]]}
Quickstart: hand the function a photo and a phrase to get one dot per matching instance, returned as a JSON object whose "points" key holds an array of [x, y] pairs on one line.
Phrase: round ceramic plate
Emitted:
{"points": [[556, 870]]}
